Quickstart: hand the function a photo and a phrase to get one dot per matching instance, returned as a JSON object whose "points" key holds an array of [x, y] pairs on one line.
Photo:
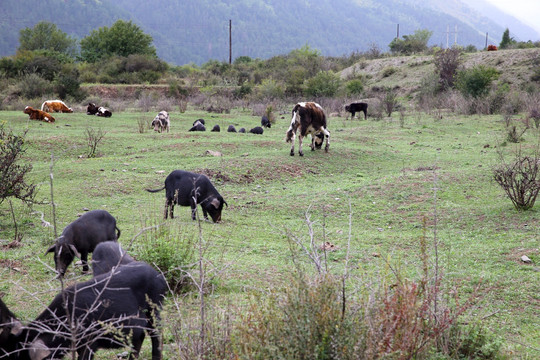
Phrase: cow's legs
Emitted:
{"points": [[167, 204], [300, 152], [327, 135], [84, 261], [292, 146]]}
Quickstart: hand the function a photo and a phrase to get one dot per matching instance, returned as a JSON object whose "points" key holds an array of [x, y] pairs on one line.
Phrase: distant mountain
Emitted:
{"points": [[187, 31]]}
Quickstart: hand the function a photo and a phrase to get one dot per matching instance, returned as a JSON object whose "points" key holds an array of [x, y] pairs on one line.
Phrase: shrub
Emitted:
{"points": [[354, 87], [93, 138], [389, 101], [387, 71], [170, 250], [446, 66], [520, 180], [476, 81], [32, 86], [325, 83]]}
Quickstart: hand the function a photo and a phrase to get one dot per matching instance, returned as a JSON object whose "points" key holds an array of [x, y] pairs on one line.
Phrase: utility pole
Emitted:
{"points": [[486, 40], [230, 41], [397, 37]]}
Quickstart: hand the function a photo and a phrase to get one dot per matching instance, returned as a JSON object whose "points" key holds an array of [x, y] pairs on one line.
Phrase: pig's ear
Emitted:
{"points": [[74, 250], [51, 249], [16, 328], [215, 202], [38, 350]]}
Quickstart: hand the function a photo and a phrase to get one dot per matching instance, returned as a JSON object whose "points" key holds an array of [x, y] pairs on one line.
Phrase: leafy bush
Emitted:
{"points": [[168, 249], [32, 86], [354, 87], [446, 66], [325, 83], [387, 71], [476, 81]]}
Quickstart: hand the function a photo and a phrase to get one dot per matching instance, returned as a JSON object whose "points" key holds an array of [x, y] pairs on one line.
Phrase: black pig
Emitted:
{"points": [[189, 189], [81, 237], [107, 255]]}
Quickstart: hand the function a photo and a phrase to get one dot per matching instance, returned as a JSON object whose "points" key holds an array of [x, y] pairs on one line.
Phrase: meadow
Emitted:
{"points": [[383, 186]]}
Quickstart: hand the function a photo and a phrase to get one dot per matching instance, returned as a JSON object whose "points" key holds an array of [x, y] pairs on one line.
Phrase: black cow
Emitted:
{"points": [[242, 130], [307, 118], [265, 122], [257, 130], [231, 128], [127, 301], [189, 189], [91, 109], [107, 255], [355, 107], [81, 237], [216, 128]]}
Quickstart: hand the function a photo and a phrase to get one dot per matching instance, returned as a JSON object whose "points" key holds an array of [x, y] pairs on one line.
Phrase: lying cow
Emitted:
{"points": [[257, 130], [161, 122], [242, 130], [231, 128], [189, 189], [126, 300], [35, 114], [93, 109], [216, 128], [81, 237], [307, 118], [55, 106], [107, 255], [265, 122], [357, 107], [198, 125]]}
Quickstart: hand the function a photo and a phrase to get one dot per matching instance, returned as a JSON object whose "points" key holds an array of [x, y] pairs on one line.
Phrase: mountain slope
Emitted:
{"points": [[186, 31]]}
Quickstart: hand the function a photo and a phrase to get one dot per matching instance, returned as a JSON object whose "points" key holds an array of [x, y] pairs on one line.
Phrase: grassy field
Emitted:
{"points": [[388, 177]]}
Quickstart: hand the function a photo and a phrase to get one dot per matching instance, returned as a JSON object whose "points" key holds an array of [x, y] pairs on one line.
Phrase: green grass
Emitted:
{"points": [[387, 173]]}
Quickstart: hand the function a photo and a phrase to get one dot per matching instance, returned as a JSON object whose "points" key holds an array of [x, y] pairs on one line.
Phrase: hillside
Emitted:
{"points": [[516, 67], [184, 31]]}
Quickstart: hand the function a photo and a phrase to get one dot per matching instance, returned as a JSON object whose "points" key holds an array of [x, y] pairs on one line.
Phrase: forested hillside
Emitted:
{"points": [[186, 31]]}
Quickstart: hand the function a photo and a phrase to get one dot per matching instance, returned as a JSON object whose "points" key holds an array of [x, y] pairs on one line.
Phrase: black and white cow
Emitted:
{"points": [[93, 109], [161, 122], [307, 118], [355, 107], [109, 311], [265, 122]]}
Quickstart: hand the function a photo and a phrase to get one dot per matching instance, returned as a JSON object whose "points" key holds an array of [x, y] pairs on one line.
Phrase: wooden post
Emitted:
{"points": [[230, 42], [397, 36]]}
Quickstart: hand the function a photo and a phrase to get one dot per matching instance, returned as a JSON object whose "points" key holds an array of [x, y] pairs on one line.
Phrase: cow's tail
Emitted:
{"points": [[155, 190]]}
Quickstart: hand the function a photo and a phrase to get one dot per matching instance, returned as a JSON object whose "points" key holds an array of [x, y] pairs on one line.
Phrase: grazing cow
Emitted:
{"points": [[231, 128], [492, 48], [257, 130], [216, 128], [107, 255], [357, 107], [55, 106], [307, 118], [109, 311], [265, 122], [161, 122], [81, 237], [36, 114], [189, 189], [242, 130]]}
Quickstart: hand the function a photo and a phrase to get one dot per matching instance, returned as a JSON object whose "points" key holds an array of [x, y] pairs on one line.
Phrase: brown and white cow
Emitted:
{"points": [[36, 114], [161, 122], [307, 118], [55, 106]]}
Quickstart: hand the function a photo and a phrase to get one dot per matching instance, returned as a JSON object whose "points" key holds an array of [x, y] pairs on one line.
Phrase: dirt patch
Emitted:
{"points": [[12, 264], [515, 255]]}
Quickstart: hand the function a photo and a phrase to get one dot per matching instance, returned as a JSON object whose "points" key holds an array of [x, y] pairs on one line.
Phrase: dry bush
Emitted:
{"points": [[520, 180], [93, 138], [143, 124]]}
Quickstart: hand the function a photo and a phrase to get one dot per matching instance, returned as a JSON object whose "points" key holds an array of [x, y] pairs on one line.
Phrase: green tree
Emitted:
{"points": [[325, 83], [506, 41], [411, 43], [122, 39], [46, 36]]}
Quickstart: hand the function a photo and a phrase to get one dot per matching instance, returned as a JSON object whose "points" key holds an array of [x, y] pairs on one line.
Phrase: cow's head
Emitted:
{"points": [[318, 140], [64, 253], [348, 108], [91, 108], [27, 110]]}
